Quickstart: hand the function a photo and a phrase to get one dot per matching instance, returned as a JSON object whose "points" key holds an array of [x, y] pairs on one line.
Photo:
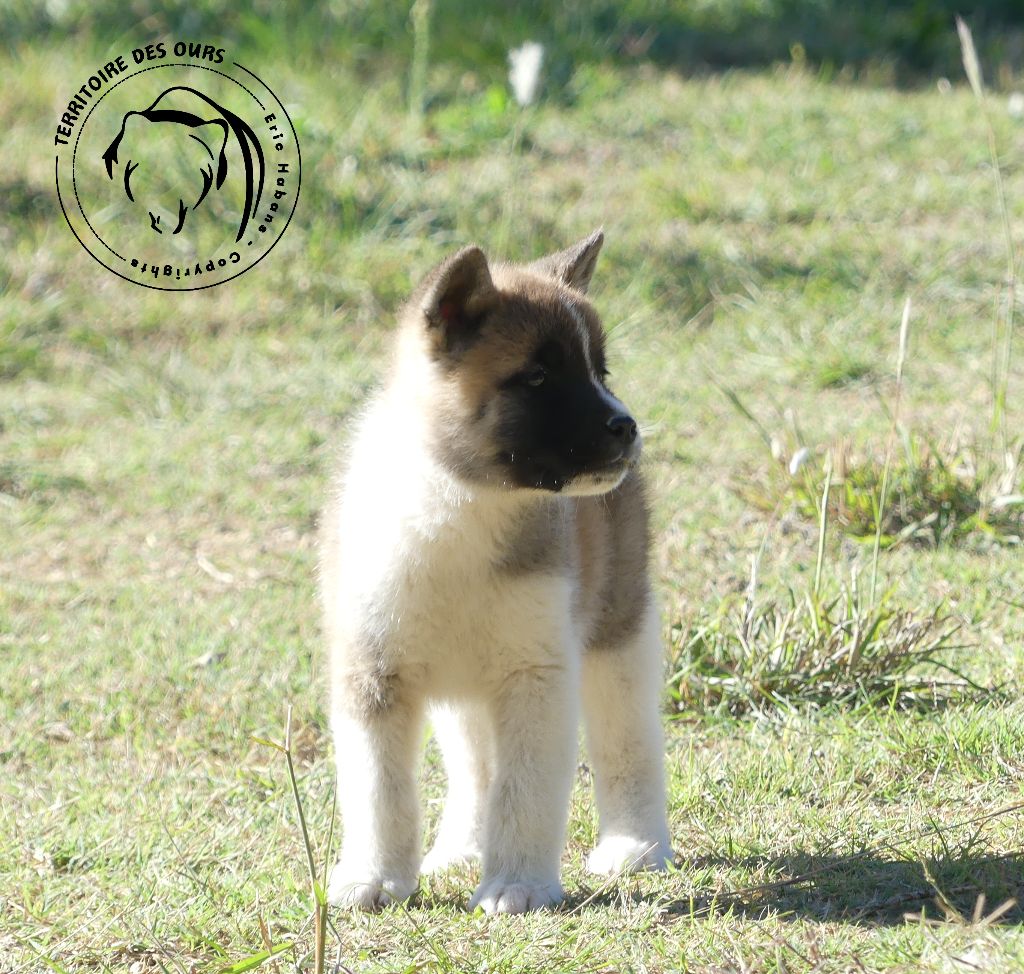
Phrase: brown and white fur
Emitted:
{"points": [[485, 564]]}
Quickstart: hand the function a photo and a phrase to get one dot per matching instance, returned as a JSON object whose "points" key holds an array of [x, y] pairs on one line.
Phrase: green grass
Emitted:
{"points": [[936, 494], [163, 459], [813, 651]]}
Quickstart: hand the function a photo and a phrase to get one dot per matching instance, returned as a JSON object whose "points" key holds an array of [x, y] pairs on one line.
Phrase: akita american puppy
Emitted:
{"points": [[485, 562]]}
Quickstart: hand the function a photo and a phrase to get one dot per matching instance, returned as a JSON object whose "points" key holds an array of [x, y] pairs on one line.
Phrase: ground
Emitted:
{"points": [[163, 458]]}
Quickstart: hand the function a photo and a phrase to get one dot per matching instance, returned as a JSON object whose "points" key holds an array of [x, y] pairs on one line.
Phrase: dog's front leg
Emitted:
{"points": [[622, 686], [535, 716], [376, 752]]}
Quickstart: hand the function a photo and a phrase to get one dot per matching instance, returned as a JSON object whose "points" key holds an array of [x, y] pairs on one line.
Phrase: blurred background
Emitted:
{"points": [[906, 40]]}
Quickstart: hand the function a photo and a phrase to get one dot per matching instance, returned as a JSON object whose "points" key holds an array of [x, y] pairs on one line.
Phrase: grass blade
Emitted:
{"points": [[883, 495], [253, 961], [970, 58], [822, 528]]}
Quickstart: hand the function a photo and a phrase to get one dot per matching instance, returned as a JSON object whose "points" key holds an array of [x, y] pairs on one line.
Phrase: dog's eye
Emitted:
{"points": [[535, 376]]}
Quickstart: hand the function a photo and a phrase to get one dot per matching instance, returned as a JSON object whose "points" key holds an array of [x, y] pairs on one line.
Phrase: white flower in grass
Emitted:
{"points": [[524, 75], [798, 460], [1015, 105]]}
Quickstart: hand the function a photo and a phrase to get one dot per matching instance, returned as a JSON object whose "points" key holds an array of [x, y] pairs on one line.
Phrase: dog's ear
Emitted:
{"points": [[458, 294], [574, 265]]}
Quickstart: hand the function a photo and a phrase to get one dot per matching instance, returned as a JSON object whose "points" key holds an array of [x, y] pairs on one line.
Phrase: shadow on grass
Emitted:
{"points": [[870, 890]]}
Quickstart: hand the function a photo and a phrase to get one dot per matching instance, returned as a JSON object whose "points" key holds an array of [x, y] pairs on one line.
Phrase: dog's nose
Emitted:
{"points": [[623, 427]]}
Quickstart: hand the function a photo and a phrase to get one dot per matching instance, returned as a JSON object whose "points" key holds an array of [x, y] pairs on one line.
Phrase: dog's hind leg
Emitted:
{"points": [[464, 735], [621, 705]]}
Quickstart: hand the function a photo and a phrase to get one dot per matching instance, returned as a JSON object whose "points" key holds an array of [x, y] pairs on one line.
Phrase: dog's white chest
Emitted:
{"points": [[426, 585]]}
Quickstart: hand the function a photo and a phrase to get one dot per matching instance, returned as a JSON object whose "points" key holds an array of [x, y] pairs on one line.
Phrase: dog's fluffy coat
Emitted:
{"points": [[485, 562]]}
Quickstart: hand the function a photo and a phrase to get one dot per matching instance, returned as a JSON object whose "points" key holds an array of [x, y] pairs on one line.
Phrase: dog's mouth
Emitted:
{"points": [[596, 479], [591, 461]]}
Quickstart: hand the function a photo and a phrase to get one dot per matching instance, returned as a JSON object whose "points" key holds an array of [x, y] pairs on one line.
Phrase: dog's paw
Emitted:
{"points": [[367, 892], [442, 857], [623, 853], [504, 894]]}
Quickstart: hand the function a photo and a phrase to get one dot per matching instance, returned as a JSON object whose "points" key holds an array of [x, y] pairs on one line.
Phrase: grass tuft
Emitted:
{"points": [[936, 495], [755, 657]]}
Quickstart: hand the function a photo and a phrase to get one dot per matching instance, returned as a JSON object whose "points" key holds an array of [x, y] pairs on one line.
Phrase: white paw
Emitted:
{"points": [[506, 895], [367, 891], [443, 857], [623, 853]]}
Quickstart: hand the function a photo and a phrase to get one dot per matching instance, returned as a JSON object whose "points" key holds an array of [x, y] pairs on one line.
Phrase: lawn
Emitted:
{"points": [[163, 458]]}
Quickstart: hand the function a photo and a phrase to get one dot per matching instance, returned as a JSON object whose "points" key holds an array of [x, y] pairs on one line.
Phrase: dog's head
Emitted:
{"points": [[519, 395]]}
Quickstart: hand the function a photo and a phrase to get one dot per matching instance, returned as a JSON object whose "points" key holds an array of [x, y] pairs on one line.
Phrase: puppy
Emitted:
{"points": [[484, 559]]}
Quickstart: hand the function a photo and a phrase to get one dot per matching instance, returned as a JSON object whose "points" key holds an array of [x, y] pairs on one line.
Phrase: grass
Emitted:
{"points": [[938, 493], [812, 651], [163, 459], [884, 42]]}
